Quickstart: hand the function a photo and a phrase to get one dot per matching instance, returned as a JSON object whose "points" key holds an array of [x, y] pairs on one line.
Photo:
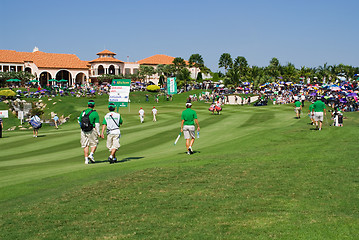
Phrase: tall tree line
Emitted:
{"points": [[238, 71]]}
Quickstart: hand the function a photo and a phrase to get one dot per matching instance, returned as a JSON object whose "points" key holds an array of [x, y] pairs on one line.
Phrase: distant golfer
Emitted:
{"points": [[298, 108], [154, 113], [188, 118], [56, 120], [319, 110], [90, 130], [142, 115], [36, 124], [112, 121]]}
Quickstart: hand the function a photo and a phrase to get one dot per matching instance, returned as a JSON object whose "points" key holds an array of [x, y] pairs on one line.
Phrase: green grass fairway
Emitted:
{"points": [[257, 173]]}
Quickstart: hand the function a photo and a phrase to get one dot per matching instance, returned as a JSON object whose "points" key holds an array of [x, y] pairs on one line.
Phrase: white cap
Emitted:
{"points": [[188, 104]]}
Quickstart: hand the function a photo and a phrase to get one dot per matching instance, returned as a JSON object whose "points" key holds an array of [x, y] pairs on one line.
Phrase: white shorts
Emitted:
{"points": [[89, 139], [113, 141], [318, 116], [188, 131]]}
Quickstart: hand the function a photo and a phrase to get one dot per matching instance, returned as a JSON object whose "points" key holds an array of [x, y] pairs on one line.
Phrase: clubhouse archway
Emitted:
{"points": [[80, 78], [44, 78]]}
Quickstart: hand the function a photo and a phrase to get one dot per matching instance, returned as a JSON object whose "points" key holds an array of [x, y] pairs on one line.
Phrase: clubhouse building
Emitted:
{"points": [[46, 66]]}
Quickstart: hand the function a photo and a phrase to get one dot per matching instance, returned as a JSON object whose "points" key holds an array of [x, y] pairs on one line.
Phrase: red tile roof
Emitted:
{"points": [[106, 59], [106, 52], [43, 60], [158, 59]]}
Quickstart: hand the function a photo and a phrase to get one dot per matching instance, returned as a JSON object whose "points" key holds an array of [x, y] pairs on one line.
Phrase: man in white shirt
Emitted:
{"points": [[142, 115], [112, 121], [154, 113]]}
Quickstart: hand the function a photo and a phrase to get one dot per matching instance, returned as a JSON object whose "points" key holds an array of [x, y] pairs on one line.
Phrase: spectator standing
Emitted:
{"points": [[1, 127], [56, 120]]}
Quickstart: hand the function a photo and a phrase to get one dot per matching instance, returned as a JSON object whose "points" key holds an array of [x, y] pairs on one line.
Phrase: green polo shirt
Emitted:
{"points": [[298, 104], [311, 106], [319, 106], [94, 117], [188, 116]]}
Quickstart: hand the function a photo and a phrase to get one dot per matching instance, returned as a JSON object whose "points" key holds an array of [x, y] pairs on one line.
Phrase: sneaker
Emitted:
{"points": [[110, 160], [190, 150], [115, 160], [92, 159], [86, 162]]}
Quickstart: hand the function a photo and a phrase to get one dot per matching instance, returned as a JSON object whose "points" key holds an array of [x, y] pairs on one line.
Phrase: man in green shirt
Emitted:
{"points": [[318, 110], [90, 130], [188, 118], [311, 113], [298, 108]]}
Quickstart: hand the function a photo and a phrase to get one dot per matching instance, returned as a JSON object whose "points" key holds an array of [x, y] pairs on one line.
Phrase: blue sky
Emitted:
{"points": [[305, 33]]}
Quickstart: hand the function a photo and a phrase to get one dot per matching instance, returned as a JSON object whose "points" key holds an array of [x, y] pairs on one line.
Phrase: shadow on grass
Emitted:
{"points": [[129, 159], [194, 152]]}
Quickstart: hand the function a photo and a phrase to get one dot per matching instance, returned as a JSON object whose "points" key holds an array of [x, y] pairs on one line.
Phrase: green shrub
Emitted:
{"points": [[153, 88], [7, 93], [37, 111]]}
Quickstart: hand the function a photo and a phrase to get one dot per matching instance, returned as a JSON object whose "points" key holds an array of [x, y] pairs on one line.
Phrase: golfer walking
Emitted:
{"points": [[154, 113], [142, 115], [112, 121], [90, 131], [298, 108], [188, 118], [319, 111]]}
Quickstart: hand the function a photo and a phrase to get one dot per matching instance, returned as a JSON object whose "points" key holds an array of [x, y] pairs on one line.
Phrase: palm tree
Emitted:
{"points": [[242, 65], [306, 72], [196, 60], [169, 70], [273, 69], [146, 71], [334, 71], [225, 61], [179, 63], [289, 72], [324, 71]]}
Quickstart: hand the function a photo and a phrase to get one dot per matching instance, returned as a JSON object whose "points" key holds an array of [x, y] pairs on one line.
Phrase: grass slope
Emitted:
{"points": [[257, 173]]}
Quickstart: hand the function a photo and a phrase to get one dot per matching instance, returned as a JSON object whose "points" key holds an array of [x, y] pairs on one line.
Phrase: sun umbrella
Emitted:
{"points": [[352, 95], [34, 81], [62, 80], [52, 80], [335, 89], [13, 80]]}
